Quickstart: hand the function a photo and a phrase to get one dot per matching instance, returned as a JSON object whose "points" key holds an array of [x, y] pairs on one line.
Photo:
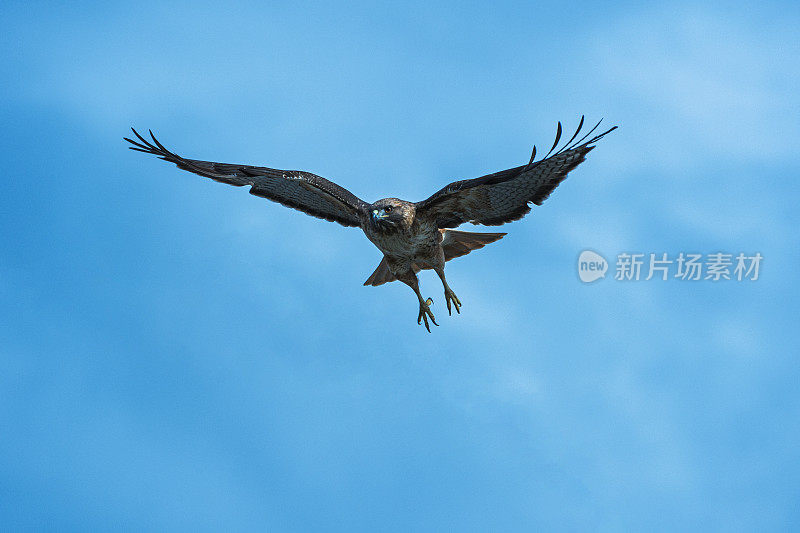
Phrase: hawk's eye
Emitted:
{"points": [[388, 209]]}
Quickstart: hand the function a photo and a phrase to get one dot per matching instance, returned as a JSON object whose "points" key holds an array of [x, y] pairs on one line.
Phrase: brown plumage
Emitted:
{"points": [[412, 236], [454, 244]]}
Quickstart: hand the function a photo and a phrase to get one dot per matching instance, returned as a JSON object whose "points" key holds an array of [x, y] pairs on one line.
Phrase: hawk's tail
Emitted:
{"points": [[458, 243], [455, 244], [381, 275]]}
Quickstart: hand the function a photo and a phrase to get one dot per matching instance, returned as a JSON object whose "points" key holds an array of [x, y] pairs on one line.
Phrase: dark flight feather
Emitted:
{"points": [[304, 191], [505, 196]]}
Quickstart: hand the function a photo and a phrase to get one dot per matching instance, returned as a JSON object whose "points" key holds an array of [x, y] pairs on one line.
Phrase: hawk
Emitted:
{"points": [[413, 236]]}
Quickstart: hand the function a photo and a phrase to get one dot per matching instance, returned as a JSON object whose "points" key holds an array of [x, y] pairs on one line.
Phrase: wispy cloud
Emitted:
{"points": [[705, 83]]}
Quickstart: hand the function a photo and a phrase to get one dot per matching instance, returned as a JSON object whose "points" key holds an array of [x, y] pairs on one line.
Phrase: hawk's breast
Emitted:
{"points": [[417, 242]]}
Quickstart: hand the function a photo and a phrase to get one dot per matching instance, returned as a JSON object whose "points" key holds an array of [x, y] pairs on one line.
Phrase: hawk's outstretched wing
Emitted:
{"points": [[504, 196], [305, 191]]}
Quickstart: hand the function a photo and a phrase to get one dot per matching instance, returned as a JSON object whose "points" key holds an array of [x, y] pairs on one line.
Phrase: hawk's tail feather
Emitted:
{"points": [[454, 243], [383, 275], [458, 243]]}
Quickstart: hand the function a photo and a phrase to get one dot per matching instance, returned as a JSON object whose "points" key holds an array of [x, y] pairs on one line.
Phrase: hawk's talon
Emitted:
{"points": [[424, 313], [450, 295]]}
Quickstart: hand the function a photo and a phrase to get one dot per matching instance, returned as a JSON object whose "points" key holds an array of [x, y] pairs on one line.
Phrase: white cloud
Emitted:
{"points": [[701, 84]]}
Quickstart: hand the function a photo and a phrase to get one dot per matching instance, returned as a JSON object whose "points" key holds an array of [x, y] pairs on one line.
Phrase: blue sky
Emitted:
{"points": [[179, 355]]}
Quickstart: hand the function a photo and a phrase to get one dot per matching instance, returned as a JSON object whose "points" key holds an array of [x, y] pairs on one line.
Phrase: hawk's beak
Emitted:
{"points": [[376, 214]]}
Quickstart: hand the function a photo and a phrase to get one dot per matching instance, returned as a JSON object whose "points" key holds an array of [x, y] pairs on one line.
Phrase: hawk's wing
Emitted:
{"points": [[307, 192], [504, 196]]}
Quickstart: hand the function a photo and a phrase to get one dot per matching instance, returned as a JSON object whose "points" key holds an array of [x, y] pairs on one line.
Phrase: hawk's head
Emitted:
{"points": [[390, 213]]}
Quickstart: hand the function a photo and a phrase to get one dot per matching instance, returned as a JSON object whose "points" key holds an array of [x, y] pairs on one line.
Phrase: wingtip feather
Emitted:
{"points": [[558, 138]]}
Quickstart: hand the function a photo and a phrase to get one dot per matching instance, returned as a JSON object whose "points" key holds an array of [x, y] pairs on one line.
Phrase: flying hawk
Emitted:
{"points": [[412, 236]]}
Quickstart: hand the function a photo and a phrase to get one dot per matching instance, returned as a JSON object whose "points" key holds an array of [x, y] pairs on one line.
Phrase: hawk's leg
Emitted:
{"points": [[449, 295], [410, 279]]}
